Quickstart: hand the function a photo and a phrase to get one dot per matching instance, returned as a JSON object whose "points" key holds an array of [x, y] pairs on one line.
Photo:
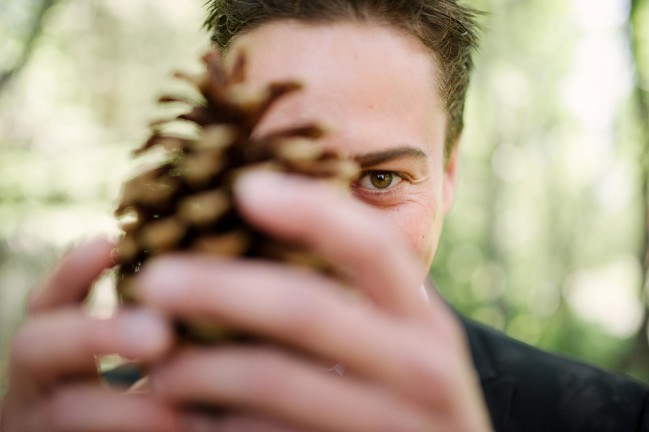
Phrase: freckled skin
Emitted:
{"points": [[376, 87]]}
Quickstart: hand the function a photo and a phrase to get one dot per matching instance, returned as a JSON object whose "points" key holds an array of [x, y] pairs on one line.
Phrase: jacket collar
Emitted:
{"points": [[497, 386]]}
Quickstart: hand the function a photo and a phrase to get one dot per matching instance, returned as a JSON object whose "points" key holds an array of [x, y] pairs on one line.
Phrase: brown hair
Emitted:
{"points": [[448, 29]]}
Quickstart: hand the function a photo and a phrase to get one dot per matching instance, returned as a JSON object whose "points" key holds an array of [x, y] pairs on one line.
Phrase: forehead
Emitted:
{"points": [[364, 79]]}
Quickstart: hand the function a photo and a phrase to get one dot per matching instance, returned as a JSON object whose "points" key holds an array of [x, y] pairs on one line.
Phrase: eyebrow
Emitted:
{"points": [[379, 157]]}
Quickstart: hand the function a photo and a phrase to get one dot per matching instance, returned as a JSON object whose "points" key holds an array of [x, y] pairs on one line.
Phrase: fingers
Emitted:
{"points": [[237, 422], [272, 383], [90, 408], [309, 212], [64, 343], [72, 279], [303, 309]]}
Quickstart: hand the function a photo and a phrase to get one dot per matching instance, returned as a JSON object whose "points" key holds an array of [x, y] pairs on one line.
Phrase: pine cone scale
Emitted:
{"points": [[186, 203]]}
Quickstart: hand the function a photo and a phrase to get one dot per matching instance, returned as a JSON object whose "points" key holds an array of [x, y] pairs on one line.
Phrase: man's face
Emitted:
{"points": [[376, 87]]}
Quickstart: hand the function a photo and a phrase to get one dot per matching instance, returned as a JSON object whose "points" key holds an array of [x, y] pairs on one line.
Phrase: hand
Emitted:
{"points": [[53, 379], [408, 367]]}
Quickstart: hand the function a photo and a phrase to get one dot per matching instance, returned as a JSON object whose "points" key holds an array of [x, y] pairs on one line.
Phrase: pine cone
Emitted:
{"points": [[186, 202]]}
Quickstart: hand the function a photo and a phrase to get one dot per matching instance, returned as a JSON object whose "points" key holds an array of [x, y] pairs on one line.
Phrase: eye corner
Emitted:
{"points": [[378, 181]]}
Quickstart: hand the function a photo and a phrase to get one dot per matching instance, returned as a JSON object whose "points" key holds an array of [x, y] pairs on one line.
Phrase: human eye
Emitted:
{"points": [[378, 180]]}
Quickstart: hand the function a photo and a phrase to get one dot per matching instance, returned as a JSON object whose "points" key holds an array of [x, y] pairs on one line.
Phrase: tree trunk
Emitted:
{"points": [[30, 43], [636, 361]]}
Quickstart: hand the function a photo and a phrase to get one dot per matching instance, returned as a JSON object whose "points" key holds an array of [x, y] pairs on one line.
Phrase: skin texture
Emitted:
{"points": [[407, 364], [357, 95], [53, 379]]}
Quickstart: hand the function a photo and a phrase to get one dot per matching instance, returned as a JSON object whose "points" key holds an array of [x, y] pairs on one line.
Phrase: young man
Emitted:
{"points": [[391, 76]]}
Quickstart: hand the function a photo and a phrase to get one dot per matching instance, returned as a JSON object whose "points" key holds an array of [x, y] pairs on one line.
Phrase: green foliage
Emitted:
{"points": [[545, 240]]}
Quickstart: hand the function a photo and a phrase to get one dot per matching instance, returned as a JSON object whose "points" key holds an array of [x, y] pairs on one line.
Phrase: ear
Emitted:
{"points": [[449, 185]]}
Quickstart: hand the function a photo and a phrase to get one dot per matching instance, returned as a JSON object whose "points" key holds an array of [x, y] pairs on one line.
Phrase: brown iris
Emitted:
{"points": [[381, 180]]}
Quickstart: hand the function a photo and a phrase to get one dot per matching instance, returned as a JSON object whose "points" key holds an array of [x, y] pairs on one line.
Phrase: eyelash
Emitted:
{"points": [[364, 181]]}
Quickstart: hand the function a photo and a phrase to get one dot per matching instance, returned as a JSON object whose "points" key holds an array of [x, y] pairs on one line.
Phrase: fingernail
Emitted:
{"points": [[262, 186], [143, 331], [162, 281], [114, 256]]}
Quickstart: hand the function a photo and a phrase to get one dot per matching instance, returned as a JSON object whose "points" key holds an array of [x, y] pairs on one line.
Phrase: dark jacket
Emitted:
{"points": [[528, 390]]}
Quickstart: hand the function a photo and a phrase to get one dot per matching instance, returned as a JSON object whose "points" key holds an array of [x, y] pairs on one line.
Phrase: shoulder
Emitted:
{"points": [[550, 392]]}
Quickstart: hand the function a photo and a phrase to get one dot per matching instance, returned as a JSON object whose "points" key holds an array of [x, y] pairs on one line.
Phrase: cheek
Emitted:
{"points": [[422, 231], [419, 224]]}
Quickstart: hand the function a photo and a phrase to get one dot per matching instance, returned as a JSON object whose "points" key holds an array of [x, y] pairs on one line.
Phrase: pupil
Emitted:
{"points": [[381, 180]]}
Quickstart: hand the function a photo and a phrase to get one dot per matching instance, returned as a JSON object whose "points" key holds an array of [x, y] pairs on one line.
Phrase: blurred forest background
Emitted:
{"points": [[549, 237]]}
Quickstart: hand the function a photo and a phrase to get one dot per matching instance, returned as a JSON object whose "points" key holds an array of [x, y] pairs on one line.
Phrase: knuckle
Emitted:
{"points": [[445, 327], [301, 314], [367, 243], [265, 376], [22, 346], [452, 329], [394, 414], [58, 409], [430, 372]]}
